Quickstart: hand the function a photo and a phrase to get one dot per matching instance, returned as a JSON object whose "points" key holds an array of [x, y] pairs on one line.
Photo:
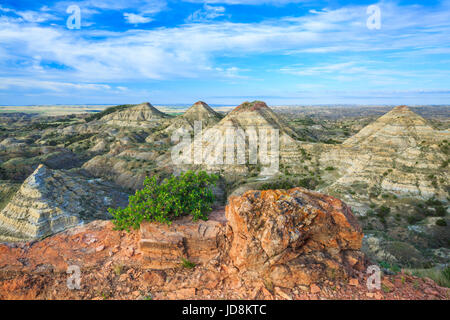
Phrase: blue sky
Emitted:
{"points": [[224, 52]]}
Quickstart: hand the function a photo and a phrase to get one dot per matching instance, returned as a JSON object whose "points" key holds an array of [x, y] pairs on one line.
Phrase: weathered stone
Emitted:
{"points": [[397, 152], [292, 237], [314, 289], [50, 201], [200, 111], [255, 117], [164, 246], [141, 115]]}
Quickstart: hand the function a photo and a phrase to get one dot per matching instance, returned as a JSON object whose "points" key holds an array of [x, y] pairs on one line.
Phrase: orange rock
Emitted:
{"points": [[388, 284], [154, 278], [186, 293], [163, 246], [100, 272], [266, 293], [353, 282], [378, 295], [314, 289], [276, 233], [283, 293]]}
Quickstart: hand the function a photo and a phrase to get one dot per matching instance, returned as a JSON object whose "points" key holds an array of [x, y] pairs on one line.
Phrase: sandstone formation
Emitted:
{"points": [[399, 153], [200, 111], [116, 169], [50, 201], [141, 115], [293, 237], [288, 237], [164, 246], [112, 268], [251, 127]]}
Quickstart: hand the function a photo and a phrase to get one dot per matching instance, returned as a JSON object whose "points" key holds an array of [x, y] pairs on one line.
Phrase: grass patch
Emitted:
{"points": [[440, 276], [187, 264]]}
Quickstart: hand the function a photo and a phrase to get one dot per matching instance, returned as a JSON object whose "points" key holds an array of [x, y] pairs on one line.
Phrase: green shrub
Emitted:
{"points": [[282, 184], [414, 218], [286, 184], [440, 211], [393, 267], [383, 211], [433, 202], [188, 194], [441, 223]]}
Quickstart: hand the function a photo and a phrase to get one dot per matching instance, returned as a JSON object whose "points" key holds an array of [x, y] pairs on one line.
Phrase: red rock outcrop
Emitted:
{"points": [[292, 237], [287, 237], [163, 246]]}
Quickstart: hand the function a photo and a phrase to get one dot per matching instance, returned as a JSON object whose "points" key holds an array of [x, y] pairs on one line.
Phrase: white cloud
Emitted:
{"points": [[207, 13], [56, 86], [344, 67], [31, 16], [2, 8], [248, 2], [192, 50], [142, 6], [135, 18]]}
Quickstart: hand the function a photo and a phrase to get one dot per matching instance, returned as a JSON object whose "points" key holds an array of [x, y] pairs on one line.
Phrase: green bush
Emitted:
{"points": [[308, 183], [282, 184], [414, 218], [441, 223], [188, 194], [433, 202], [383, 211], [440, 211]]}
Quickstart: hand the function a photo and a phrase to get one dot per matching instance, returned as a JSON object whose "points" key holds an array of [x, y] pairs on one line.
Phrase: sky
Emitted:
{"points": [[224, 52]]}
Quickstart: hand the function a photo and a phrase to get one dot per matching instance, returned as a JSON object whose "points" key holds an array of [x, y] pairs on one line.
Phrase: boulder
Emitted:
{"points": [[292, 237]]}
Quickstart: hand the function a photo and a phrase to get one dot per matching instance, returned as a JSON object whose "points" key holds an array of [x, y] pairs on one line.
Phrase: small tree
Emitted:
{"points": [[187, 194]]}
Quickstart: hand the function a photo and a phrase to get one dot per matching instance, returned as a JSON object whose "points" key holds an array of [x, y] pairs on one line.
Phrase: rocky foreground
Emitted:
{"points": [[276, 244]]}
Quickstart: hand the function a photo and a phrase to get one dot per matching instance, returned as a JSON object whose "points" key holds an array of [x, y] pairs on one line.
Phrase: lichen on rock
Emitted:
{"points": [[292, 237]]}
